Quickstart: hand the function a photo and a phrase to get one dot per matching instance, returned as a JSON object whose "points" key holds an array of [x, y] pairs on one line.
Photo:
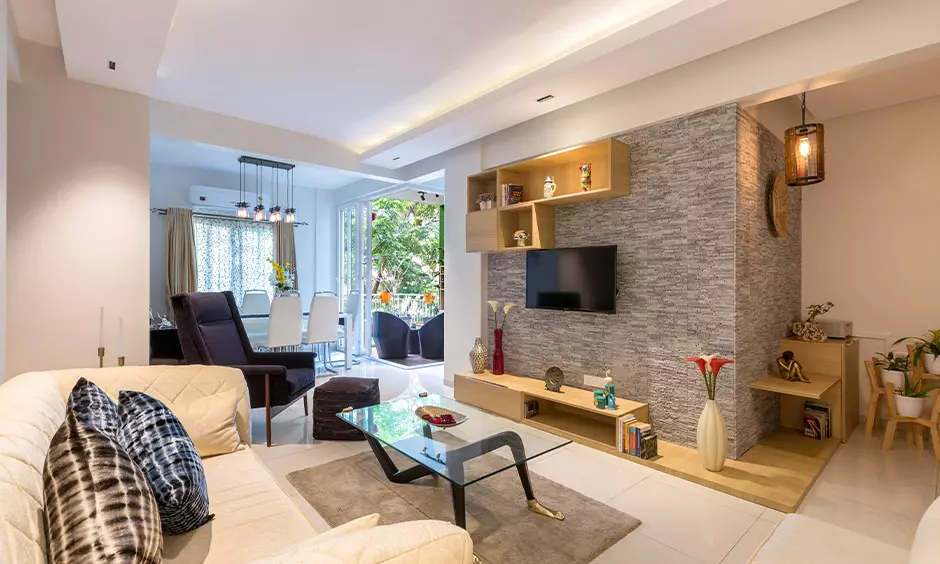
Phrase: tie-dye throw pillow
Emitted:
{"points": [[157, 442], [98, 504], [95, 409]]}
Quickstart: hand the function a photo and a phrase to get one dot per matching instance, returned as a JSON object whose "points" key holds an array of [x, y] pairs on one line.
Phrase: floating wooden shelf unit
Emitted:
{"points": [[492, 230]]}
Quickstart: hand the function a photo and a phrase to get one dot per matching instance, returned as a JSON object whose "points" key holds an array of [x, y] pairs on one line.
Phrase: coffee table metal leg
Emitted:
{"points": [[391, 471], [534, 505], [460, 506]]}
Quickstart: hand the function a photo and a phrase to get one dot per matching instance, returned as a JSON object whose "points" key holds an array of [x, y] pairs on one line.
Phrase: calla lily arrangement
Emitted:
{"points": [[710, 366], [507, 307]]}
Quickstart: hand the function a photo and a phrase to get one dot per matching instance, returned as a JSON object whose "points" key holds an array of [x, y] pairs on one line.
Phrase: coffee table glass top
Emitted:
{"points": [[452, 452]]}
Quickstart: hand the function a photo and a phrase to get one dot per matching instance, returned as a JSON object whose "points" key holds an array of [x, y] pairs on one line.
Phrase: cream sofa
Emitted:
{"points": [[254, 518], [799, 538]]}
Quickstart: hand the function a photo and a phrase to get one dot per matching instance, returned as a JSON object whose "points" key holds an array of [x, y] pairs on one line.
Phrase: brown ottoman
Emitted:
{"points": [[335, 396]]}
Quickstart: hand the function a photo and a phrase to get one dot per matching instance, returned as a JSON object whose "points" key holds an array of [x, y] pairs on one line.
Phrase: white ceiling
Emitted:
{"points": [[179, 152], [896, 86], [414, 195], [394, 82]]}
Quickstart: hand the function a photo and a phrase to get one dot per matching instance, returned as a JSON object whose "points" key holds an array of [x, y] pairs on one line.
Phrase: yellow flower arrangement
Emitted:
{"points": [[283, 277]]}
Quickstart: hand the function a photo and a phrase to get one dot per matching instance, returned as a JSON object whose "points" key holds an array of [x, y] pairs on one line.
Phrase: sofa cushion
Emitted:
{"points": [[210, 423], [31, 411], [158, 443], [254, 517], [92, 406], [98, 505]]}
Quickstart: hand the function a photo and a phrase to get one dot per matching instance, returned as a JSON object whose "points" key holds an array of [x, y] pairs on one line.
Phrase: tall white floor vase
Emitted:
{"points": [[712, 439]]}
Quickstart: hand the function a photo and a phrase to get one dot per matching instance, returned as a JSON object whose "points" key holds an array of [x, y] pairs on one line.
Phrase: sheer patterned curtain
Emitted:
{"points": [[232, 255]]}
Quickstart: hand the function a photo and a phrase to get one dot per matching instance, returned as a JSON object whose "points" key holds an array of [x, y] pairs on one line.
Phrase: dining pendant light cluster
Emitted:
{"points": [[290, 213], [805, 154]]}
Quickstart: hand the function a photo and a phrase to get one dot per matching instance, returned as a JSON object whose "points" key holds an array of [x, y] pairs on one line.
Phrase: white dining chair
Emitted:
{"points": [[255, 301], [323, 324], [285, 323]]}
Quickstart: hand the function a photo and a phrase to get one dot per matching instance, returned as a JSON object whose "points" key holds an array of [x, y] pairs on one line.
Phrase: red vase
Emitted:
{"points": [[498, 351]]}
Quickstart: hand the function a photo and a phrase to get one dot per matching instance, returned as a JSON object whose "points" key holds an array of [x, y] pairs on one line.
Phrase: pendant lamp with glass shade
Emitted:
{"points": [[259, 209], [275, 185], [242, 205], [290, 214], [805, 152]]}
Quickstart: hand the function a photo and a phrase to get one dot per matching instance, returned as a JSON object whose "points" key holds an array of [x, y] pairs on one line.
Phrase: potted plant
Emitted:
{"points": [[486, 200], [928, 350], [893, 368], [910, 398]]}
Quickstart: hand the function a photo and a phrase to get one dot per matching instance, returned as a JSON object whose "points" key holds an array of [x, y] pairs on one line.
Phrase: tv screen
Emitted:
{"points": [[576, 279]]}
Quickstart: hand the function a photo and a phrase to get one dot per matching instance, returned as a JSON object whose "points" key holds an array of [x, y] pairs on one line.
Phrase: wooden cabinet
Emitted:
{"points": [[492, 230], [832, 359]]}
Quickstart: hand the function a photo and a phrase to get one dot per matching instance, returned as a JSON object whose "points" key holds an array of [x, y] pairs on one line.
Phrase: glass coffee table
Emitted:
{"points": [[394, 424]]}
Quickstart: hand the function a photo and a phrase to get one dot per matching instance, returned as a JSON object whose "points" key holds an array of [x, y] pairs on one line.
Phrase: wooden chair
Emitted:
{"points": [[877, 392]]}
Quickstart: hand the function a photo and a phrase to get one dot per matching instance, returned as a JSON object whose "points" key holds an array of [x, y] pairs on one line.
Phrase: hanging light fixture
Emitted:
{"points": [[242, 205], [290, 214], [259, 209], [805, 153], [275, 185]]}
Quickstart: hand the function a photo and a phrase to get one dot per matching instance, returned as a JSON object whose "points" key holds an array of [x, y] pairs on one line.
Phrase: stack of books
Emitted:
{"points": [[817, 420], [635, 438], [511, 194]]}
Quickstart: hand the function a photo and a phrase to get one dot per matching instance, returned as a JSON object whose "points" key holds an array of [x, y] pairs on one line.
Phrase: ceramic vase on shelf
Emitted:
{"points": [[498, 351], [478, 356], [712, 438]]}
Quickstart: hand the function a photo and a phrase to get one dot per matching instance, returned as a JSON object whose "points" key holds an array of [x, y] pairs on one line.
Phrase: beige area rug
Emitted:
{"points": [[503, 530]]}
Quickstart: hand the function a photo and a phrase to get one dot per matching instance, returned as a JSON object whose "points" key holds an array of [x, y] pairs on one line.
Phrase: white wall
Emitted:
{"points": [[869, 230], [326, 241], [169, 186], [463, 272], [77, 212], [4, 42]]}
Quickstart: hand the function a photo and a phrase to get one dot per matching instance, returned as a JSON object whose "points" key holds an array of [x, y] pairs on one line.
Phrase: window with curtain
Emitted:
{"points": [[232, 255]]}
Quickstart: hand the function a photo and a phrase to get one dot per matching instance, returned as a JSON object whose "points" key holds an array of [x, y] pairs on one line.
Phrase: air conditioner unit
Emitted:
{"points": [[214, 200]]}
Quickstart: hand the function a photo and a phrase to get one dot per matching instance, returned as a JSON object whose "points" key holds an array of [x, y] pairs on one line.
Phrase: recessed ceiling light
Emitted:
{"points": [[395, 158], [545, 98]]}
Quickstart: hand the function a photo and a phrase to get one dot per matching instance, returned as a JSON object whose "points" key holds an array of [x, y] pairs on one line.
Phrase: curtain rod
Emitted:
{"points": [[162, 211]]}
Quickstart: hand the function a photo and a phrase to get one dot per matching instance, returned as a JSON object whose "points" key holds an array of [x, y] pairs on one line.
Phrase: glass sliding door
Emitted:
{"points": [[355, 271]]}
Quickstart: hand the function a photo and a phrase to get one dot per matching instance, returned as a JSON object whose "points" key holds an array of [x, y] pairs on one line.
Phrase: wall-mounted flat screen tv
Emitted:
{"points": [[575, 279]]}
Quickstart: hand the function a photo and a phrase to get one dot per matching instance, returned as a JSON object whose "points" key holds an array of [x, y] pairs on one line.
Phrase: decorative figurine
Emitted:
{"points": [[585, 171], [790, 369], [611, 399], [809, 330], [554, 378], [521, 238], [600, 400], [549, 190]]}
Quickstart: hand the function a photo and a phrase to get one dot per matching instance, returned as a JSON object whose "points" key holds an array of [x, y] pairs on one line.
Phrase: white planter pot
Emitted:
{"points": [[932, 363], [712, 438], [910, 407], [896, 377], [482, 206]]}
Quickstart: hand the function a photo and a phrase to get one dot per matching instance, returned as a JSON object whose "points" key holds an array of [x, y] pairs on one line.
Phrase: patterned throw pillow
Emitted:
{"points": [[98, 504], [95, 409], [158, 443]]}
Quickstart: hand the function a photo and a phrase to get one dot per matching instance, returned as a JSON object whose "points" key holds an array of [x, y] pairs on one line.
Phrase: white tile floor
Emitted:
{"points": [[864, 489]]}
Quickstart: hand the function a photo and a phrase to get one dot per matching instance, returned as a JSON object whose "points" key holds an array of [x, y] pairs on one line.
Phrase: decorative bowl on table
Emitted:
{"points": [[439, 416]]}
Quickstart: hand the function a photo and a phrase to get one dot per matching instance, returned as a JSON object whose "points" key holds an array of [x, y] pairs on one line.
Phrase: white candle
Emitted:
{"points": [[121, 336], [101, 328]]}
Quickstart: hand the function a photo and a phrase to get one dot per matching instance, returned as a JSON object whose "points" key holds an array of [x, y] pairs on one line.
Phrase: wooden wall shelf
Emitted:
{"points": [[492, 230]]}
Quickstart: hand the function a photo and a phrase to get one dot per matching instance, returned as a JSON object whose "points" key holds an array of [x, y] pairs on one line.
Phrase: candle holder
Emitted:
{"points": [[120, 361], [100, 357]]}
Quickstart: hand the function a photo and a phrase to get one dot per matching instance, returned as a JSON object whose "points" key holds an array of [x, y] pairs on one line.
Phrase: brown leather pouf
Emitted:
{"points": [[335, 396]]}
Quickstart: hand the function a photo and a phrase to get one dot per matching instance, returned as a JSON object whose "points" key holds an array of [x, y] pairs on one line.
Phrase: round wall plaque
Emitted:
{"points": [[778, 205]]}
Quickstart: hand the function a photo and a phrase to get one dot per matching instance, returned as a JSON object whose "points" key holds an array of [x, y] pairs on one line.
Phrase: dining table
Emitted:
{"points": [[256, 325]]}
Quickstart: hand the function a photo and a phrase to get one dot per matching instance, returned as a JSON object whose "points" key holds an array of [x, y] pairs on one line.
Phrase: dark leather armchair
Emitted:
{"points": [[431, 336], [211, 332], [390, 334]]}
